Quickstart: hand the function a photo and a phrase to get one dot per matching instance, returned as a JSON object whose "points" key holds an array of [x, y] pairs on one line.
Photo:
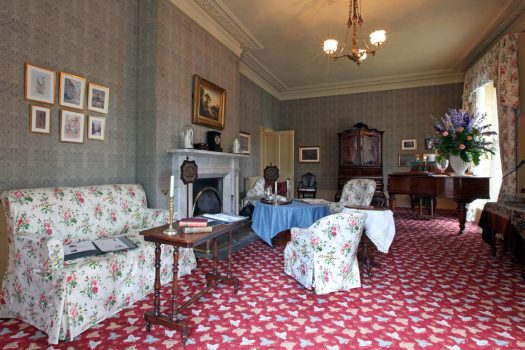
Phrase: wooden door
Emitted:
{"points": [[278, 149]]}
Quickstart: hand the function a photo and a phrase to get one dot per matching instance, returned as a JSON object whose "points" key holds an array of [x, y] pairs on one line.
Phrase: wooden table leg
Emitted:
{"points": [[157, 286], [462, 215], [175, 284]]}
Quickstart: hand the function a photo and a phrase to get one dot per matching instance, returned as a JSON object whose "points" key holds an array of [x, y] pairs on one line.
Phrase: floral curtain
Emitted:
{"points": [[500, 65]]}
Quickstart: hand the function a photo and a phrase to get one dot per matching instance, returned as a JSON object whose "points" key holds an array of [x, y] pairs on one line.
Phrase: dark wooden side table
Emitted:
{"points": [[185, 240]]}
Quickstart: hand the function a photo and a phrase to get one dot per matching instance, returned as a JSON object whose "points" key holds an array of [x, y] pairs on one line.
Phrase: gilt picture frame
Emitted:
{"points": [[406, 159], [408, 144], [309, 154], [39, 119], [98, 98], [208, 103], [72, 92], [96, 128], [39, 84], [72, 125]]}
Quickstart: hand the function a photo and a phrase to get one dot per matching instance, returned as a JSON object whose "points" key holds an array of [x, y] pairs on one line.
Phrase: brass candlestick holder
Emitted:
{"points": [[170, 231]]}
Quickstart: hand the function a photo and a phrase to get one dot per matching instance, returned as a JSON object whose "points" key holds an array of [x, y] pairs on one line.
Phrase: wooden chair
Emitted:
{"points": [[307, 186]]}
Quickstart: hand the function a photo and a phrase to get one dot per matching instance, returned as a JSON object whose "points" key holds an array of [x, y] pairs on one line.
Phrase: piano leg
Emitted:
{"points": [[462, 215]]}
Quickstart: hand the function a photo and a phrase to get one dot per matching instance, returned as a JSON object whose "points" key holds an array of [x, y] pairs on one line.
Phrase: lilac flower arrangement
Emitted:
{"points": [[462, 134]]}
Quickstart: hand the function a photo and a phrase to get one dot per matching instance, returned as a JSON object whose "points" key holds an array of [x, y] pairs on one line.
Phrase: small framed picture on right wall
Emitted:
{"points": [[408, 144]]}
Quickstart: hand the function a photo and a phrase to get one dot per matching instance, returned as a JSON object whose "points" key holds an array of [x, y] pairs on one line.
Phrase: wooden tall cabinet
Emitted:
{"points": [[361, 156]]}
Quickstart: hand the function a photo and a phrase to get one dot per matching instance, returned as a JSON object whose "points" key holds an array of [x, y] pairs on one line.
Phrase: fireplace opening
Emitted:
{"points": [[207, 194]]}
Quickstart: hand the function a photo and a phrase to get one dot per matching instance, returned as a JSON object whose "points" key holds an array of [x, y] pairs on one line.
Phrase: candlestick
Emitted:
{"points": [[172, 185], [170, 231], [275, 191]]}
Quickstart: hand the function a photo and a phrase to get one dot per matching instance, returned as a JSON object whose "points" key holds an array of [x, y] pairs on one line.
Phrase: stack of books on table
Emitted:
{"points": [[195, 225]]}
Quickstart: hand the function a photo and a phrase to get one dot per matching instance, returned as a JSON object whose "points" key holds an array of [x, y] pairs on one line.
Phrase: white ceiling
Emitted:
{"points": [[428, 41]]}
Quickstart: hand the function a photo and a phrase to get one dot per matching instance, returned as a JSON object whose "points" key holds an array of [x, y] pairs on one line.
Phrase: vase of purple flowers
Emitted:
{"points": [[463, 135]]}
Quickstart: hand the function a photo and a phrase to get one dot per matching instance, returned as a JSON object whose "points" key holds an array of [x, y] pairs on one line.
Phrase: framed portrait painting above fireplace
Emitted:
{"points": [[208, 103]]}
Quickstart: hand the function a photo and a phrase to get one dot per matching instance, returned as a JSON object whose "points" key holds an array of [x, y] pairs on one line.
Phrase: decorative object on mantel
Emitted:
{"points": [[236, 148], [353, 24], [188, 174], [208, 103], [201, 146], [463, 135], [187, 136], [213, 139]]}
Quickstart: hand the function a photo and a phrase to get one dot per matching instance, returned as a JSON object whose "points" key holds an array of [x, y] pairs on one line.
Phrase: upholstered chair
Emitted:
{"points": [[356, 192], [323, 257]]}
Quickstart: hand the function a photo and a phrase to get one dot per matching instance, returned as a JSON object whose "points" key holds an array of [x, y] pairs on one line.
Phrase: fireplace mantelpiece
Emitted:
{"points": [[211, 165]]}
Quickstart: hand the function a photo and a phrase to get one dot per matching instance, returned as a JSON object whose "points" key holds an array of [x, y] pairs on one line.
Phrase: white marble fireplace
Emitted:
{"points": [[210, 165]]}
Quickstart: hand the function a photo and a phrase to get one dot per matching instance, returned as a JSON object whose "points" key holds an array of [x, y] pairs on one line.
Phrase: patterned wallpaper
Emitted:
{"points": [[148, 66], [401, 114], [94, 39]]}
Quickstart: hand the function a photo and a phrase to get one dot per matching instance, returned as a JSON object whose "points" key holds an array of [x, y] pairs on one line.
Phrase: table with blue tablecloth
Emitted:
{"points": [[268, 220]]}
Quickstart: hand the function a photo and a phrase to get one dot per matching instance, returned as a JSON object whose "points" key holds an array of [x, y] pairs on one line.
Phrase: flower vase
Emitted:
{"points": [[458, 165]]}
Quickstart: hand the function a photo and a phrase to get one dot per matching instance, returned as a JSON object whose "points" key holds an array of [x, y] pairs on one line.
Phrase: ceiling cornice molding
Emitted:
{"points": [[376, 84], [501, 26], [259, 74], [221, 23]]}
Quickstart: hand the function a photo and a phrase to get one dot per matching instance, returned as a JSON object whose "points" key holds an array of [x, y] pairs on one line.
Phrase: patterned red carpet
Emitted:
{"points": [[434, 290]]}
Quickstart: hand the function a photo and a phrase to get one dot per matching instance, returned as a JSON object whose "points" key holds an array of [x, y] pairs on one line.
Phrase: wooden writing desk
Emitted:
{"points": [[186, 240], [461, 189]]}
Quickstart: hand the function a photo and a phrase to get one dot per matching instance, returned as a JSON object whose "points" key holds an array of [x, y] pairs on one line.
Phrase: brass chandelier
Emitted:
{"points": [[355, 21]]}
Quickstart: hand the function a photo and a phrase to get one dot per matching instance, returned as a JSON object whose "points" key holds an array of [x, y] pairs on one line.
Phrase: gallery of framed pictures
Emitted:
{"points": [[309, 154], [40, 87], [208, 103]]}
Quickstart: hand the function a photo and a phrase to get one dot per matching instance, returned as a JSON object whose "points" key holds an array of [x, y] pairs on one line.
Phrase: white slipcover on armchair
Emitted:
{"points": [[358, 192], [323, 257], [64, 298]]}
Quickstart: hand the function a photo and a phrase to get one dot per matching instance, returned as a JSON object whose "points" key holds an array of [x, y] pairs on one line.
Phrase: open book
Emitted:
{"points": [[225, 217], [96, 247]]}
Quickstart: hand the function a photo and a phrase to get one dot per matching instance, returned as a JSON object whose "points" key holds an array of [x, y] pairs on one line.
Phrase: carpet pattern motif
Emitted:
{"points": [[433, 290]]}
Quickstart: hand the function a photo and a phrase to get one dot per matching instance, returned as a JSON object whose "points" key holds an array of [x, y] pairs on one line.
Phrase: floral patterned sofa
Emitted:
{"points": [[323, 257], [64, 298]]}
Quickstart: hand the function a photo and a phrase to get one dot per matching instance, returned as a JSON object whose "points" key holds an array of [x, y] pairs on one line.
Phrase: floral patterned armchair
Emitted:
{"points": [[356, 192], [323, 257], [61, 297]]}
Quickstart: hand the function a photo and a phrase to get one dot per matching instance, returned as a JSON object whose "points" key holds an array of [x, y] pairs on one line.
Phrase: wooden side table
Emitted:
{"points": [[185, 240]]}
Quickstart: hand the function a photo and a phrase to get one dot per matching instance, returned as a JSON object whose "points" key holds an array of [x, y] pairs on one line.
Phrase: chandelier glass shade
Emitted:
{"points": [[377, 38]]}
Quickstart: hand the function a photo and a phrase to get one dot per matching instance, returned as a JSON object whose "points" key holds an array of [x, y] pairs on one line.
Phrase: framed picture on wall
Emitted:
{"points": [[40, 84], [98, 98], [245, 141], [72, 91], [40, 119], [208, 103], [71, 126], [309, 154], [96, 127], [429, 144], [406, 159], [408, 144]]}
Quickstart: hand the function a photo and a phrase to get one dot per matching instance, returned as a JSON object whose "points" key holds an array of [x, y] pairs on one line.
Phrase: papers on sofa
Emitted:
{"points": [[79, 247], [114, 244], [225, 217]]}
